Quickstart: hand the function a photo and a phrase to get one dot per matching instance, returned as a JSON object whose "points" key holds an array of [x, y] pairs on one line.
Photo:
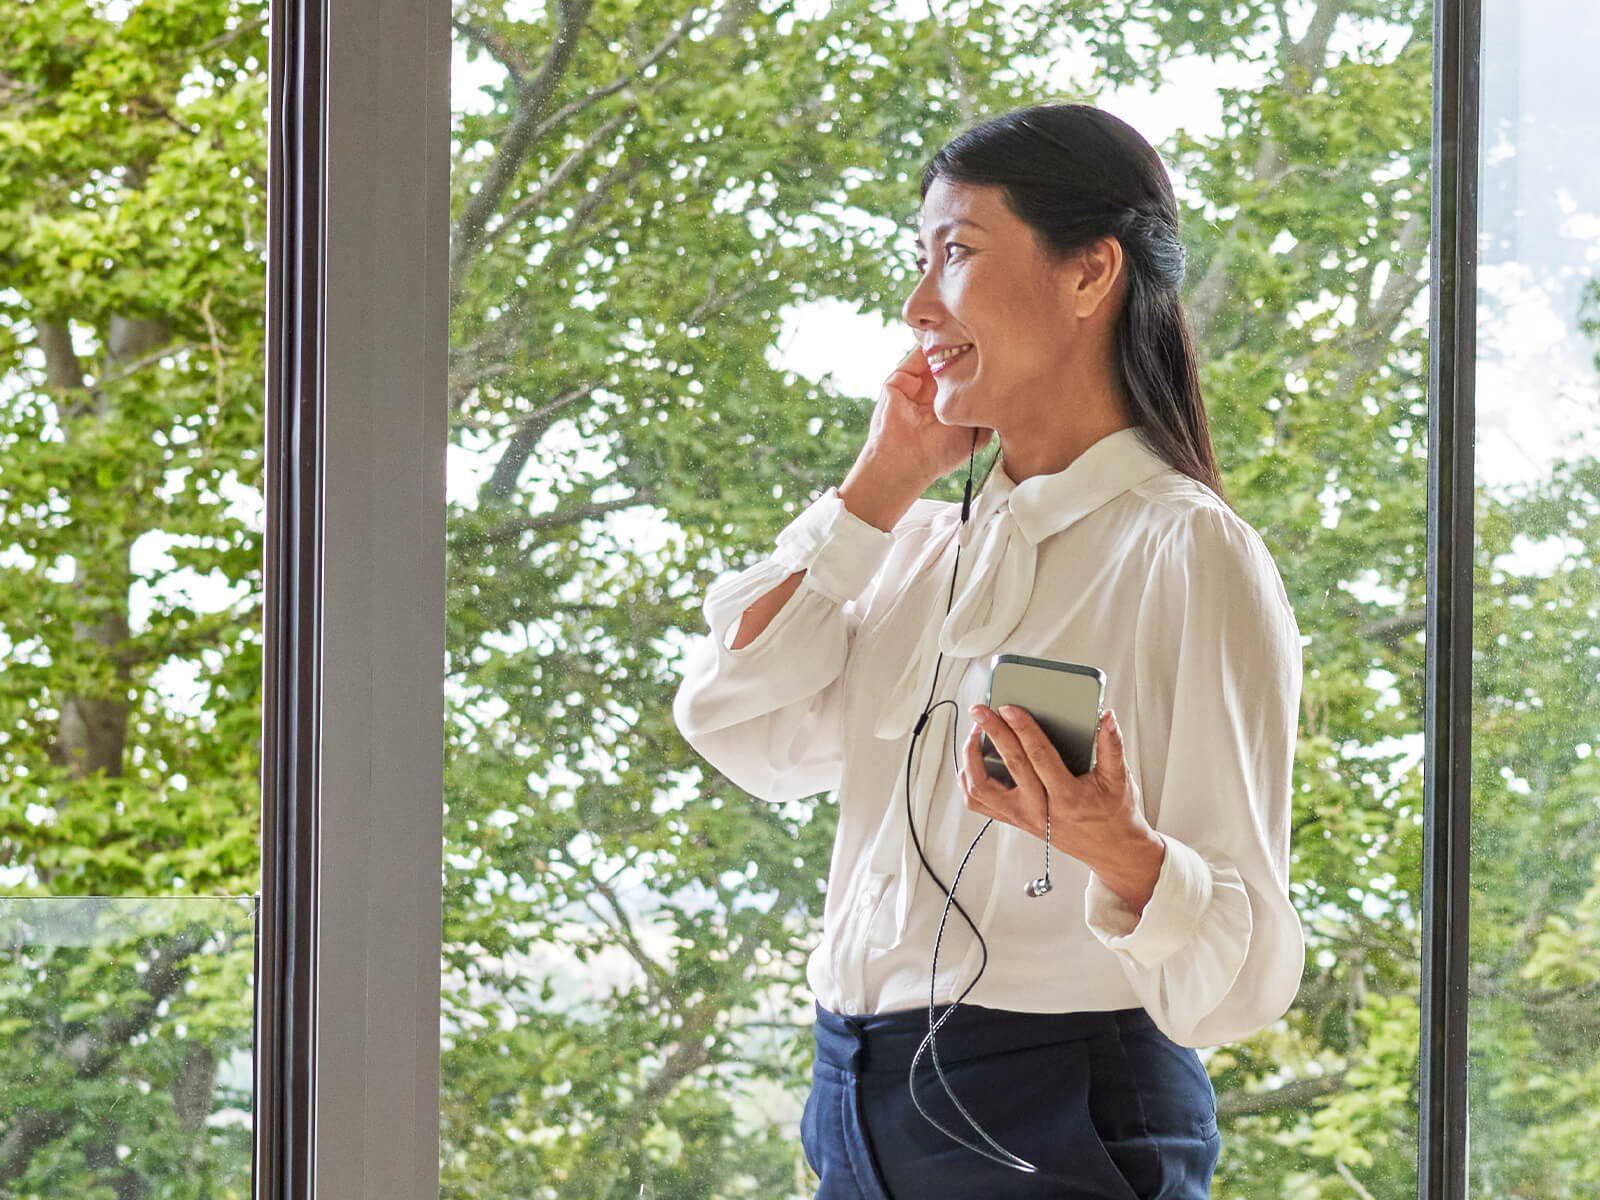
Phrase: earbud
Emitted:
{"points": [[1038, 887]]}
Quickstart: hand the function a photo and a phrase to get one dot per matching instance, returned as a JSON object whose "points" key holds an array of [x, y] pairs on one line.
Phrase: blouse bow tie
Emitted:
{"points": [[991, 596]]}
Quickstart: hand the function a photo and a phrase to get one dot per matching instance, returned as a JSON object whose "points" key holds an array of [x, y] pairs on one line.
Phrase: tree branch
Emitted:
{"points": [[733, 17], [1205, 301], [205, 632], [1298, 1094], [529, 127], [655, 977], [1310, 53], [32, 1129], [62, 370], [716, 302], [520, 135], [691, 1052], [504, 479], [560, 518], [621, 174], [497, 46], [1355, 1184], [1392, 630], [560, 175], [587, 101]]}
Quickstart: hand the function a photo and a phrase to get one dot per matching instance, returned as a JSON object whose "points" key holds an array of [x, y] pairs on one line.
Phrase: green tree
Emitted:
{"points": [[1534, 1071], [647, 193], [131, 301]]}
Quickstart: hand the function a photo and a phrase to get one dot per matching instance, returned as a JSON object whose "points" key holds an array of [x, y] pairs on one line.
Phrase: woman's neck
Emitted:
{"points": [[1048, 451]]}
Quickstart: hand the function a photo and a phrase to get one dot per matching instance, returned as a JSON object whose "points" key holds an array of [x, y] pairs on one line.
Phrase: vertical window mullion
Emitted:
{"points": [[1442, 1122], [285, 962], [348, 1021]]}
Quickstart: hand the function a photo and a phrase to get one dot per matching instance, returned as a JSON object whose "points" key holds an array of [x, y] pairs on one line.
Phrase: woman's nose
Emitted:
{"points": [[921, 308]]}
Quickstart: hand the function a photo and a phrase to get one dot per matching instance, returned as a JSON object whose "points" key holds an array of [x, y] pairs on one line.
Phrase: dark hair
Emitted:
{"points": [[1075, 174]]}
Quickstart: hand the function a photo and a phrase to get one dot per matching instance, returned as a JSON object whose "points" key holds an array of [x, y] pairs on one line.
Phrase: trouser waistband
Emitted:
{"points": [[886, 1042]]}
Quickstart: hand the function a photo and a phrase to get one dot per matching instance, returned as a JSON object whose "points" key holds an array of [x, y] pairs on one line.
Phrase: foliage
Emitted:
{"points": [[646, 201], [131, 184], [114, 1015]]}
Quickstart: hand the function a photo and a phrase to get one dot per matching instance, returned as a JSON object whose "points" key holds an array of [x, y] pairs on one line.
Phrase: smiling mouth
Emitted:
{"points": [[939, 360]]}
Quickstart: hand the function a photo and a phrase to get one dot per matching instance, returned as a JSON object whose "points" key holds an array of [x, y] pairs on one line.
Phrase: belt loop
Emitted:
{"points": [[858, 1056]]}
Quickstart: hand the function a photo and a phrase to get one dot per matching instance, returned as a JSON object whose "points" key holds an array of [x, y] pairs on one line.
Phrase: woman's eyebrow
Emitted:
{"points": [[944, 227]]}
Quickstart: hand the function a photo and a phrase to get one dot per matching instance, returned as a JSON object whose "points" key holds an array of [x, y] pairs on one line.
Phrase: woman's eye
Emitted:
{"points": [[952, 252]]}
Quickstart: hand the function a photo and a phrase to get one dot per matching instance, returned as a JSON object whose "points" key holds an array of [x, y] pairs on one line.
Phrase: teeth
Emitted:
{"points": [[949, 352]]}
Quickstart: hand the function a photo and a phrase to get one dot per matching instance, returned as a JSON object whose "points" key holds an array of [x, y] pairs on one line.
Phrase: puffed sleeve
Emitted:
{"points": [[768, 715], [1218, 951]]}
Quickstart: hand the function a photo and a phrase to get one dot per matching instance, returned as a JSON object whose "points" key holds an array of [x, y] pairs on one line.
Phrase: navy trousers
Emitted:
{"points": [[1103, 1104]]}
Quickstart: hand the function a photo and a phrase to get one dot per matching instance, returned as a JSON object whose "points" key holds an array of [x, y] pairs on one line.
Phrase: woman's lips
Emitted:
{"points": [[945, 357]]}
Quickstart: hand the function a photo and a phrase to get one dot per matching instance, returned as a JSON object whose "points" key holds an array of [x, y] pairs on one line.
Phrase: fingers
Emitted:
{"points": [[1110, 765], [912, 379], [915, 370], [1020, 804], [904, 385], [974, 772], [1014, 733], [1042, 757], [916, 363]]}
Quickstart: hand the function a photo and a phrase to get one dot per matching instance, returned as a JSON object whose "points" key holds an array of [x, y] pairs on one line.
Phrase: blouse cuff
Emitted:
{"points": [[837, 549], [1175, 911]]}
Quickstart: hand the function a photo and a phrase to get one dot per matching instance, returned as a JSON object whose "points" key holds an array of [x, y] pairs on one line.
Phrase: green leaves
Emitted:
{"points": [[132, 149]]}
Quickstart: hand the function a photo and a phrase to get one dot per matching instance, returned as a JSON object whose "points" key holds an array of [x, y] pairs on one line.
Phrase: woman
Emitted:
{"points": [[1047, 315]]}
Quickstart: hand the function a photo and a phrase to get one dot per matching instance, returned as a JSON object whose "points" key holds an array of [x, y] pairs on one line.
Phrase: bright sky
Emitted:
{"points": [[1538, 391]]}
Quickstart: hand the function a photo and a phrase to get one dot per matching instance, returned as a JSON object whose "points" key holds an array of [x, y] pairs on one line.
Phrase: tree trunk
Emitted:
{"points": [[94, 728]]}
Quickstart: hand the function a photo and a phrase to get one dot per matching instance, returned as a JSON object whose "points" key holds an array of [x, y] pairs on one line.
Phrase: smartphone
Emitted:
{"points": [[1064, 698]]}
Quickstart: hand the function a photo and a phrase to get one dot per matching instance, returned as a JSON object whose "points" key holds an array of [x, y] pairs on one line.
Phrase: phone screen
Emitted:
{"points": [[1064, 698]]}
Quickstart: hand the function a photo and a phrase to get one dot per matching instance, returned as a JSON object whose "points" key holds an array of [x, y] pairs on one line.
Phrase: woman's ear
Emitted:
{"points": [[1099, 276]]}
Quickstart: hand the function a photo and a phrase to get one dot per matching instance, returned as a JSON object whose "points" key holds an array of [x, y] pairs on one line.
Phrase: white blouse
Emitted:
{"points": [[1119, 562]]}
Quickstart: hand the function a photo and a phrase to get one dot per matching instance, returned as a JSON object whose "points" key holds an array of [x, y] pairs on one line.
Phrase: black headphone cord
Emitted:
{"points": [[999, 1154]]}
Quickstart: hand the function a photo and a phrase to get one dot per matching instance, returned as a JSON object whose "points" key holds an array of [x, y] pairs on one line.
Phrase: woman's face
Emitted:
{"points": [[997, 316]]}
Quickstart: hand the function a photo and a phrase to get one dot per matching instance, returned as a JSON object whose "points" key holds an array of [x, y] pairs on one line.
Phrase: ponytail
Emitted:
{"points": [[1156, 352]]}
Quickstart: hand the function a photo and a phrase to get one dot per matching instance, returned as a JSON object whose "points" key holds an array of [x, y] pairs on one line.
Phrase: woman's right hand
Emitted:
{"points": [[907, 446]]}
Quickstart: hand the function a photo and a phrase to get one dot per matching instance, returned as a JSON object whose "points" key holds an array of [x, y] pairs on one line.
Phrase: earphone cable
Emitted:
{"points": [[999, 1154], [930, 1043]]}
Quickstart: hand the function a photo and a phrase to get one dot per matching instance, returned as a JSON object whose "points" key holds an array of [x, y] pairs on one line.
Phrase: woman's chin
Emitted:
{"points": [[952, 408]]}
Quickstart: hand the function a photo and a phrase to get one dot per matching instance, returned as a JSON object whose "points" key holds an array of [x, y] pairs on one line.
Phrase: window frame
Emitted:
{"points": [[1447, 703], [348, 959], [347, 1024]]}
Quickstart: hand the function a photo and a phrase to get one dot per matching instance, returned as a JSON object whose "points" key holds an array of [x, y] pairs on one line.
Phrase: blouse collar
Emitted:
{"points": [[1047, 504]]}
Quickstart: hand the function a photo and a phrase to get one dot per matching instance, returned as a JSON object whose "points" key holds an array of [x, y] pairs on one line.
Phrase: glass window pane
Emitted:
{"points": [[127, 1027], [1533, 1067], [132, 180], [681, 241]]}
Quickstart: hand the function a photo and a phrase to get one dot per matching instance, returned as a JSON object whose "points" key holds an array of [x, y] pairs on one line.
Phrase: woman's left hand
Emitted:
{"points": [[1097, 818]]}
